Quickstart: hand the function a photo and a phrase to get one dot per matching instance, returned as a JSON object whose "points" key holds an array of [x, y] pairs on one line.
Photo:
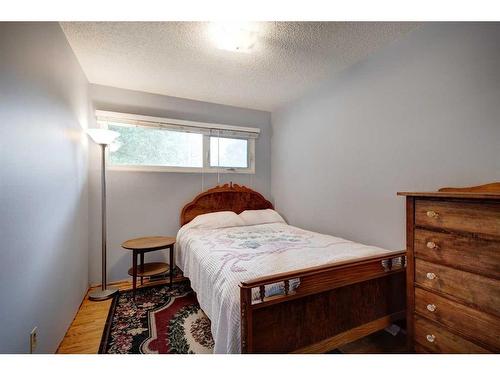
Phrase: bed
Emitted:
{"points": [[275, 288]]}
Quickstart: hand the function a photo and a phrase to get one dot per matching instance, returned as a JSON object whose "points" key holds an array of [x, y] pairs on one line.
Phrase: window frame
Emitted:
{"points": [[103, 117], [209, 147]]}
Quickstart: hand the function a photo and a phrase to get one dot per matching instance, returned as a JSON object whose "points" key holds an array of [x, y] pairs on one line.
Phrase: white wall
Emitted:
{"points": [[149, 203], [420, 114], [43, 185]]}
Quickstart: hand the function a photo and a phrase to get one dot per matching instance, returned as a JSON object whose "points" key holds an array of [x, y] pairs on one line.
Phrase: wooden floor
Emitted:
{"points": [[84, 334], [380, 342]]}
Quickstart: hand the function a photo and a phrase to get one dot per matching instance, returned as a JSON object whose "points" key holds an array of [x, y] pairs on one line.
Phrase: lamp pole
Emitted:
{"points": [[105, 292], [103, 216]]}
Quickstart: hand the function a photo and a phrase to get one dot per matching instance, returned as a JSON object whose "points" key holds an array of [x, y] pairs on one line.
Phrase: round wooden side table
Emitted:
{"points": [[142, 245]]}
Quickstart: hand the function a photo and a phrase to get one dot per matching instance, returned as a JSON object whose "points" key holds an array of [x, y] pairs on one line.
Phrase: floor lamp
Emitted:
{"points": [[103, 137]]}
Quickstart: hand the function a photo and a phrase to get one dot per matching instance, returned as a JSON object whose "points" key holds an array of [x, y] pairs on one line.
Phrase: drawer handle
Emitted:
{"points": [[431, 307], [430, 338], [432, 245], [432, 214], [431, 275]]}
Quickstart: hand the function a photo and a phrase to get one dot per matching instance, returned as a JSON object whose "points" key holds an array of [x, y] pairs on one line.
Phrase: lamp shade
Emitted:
{"points": [[102, 136]]}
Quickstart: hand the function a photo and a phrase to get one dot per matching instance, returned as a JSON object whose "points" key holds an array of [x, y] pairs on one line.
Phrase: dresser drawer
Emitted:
{"points": [[464, 252], [436, 339], [420, 349], [481, 292], [473, 217], [471, 323]]}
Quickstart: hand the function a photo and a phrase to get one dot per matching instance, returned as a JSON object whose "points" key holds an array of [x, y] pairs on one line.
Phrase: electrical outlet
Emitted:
{"points": [[33, 339]]}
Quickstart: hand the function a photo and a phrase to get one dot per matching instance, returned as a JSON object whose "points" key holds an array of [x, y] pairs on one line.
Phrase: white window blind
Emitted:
{"points": [[222, 130]]}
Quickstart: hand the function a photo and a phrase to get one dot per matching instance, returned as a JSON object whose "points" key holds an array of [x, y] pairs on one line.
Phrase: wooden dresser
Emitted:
{"points": [[453, 270]]}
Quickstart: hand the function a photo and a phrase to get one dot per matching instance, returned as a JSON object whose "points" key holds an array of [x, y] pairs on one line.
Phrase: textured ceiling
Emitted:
{"points": [[180, 58]]}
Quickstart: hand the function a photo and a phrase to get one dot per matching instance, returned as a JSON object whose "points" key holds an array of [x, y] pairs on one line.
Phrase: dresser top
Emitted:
{"points": [[437, 194], [487, 191]]}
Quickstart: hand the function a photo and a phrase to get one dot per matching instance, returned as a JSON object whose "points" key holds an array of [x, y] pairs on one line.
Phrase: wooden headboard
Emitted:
{"points": [[228, 197]]}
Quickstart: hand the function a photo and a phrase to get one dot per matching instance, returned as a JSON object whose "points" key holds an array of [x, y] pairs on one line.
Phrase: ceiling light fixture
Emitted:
{"points": [[234, 36]]}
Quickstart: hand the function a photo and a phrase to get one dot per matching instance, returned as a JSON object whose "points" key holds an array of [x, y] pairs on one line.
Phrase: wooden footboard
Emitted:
{"points": [[332, 306]]}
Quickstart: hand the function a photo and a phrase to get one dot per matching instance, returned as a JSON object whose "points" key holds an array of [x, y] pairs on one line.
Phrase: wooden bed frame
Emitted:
{"points": [[334, 304]]}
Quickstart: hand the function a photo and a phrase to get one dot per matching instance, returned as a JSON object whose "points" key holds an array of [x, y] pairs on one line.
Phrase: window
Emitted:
{"points": [[228, 152], [156, 147], [158, 144]]}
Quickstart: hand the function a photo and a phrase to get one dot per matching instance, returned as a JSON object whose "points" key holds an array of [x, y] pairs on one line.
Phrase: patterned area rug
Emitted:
{"points": [[160, 321]]}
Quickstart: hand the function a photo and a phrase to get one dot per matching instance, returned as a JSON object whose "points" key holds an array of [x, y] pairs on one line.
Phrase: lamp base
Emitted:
{"points": [[101, 295]]}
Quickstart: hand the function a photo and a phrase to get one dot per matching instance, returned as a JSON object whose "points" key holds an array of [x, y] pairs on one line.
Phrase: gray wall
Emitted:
{"points": [[149, 203], [43, 185], [422, 113]]}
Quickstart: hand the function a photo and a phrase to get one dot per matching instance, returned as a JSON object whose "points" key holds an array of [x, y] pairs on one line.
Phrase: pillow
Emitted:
{"points": [[215, 220], [254, 217]]}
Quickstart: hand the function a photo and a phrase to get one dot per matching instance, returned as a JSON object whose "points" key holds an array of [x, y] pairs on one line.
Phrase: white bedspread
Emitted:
{"points": [[217, 260]]}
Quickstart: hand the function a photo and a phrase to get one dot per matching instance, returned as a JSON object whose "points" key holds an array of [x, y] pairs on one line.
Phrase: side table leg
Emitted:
{"points": [[142, 267], [171, 265], [134, 272]]}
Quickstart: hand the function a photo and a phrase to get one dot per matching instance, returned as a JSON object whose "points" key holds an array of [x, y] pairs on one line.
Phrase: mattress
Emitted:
{"points": [[217, 260]]}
